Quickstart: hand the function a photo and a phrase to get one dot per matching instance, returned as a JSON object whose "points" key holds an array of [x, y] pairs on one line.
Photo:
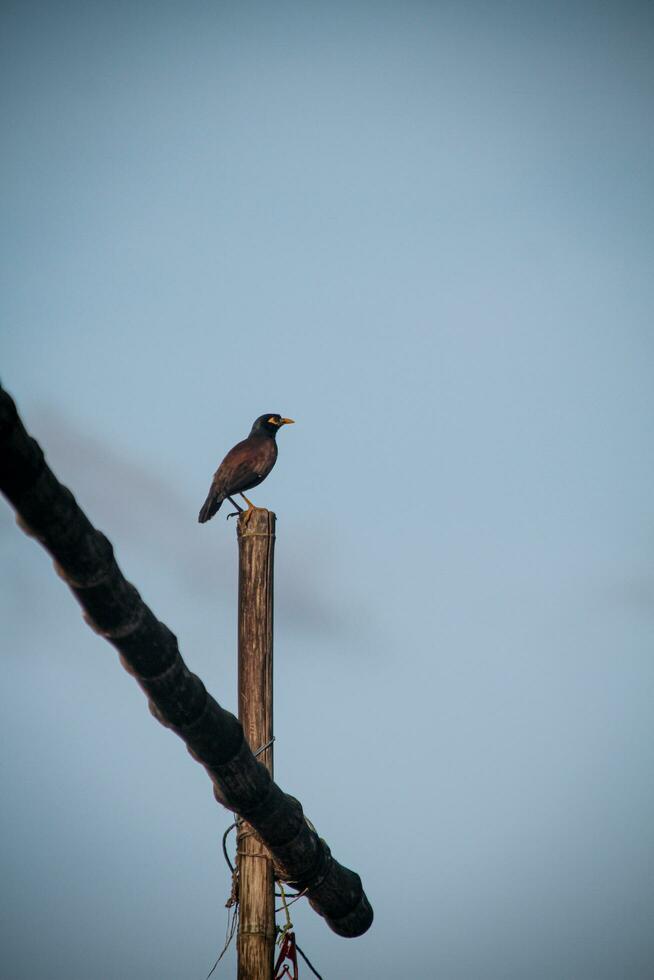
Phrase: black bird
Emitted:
{"points": [[244, 466]]}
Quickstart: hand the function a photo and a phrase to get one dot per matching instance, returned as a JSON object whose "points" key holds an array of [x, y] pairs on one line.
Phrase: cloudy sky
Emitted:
{"points": [[424, 231]]}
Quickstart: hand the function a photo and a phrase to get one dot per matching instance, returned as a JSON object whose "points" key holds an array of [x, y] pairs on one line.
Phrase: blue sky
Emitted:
{"points": [[424, 231]]}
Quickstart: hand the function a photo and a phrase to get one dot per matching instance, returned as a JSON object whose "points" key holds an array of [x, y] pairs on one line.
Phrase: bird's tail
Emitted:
{"points": [[210, 506]]}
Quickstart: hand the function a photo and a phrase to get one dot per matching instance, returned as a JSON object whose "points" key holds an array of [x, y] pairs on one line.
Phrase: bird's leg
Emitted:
{"points": [[238, 511], [251, 507]]}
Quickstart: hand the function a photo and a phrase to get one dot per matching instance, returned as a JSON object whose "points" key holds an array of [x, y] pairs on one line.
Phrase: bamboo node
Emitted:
{"points": [[121, 631]]}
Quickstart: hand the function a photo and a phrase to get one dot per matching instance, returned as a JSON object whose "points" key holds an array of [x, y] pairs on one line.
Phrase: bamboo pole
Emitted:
{"points": [[256, 545]]}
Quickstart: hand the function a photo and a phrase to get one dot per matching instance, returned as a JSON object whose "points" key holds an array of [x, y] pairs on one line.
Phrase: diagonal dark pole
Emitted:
{"points": [[148, 650]]}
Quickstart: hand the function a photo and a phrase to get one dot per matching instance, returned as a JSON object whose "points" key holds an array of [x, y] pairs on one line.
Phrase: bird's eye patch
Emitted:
{"points": [[273, 420]]}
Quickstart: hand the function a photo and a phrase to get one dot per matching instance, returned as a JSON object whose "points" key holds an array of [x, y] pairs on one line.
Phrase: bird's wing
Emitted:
{"points": [[244, 466]]}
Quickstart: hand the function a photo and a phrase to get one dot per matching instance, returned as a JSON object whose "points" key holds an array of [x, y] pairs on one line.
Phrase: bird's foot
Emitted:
{"points": [[247, 514], [238, 511]]}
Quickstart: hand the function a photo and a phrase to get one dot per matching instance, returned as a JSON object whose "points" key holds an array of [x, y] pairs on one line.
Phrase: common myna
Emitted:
{"points": [[244, 466]]}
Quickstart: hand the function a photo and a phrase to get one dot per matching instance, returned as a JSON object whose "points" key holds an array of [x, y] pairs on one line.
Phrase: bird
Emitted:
{"points": [[245, 466]]}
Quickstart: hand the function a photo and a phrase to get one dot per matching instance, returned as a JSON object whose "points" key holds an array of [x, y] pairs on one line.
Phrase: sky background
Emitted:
{"points": [[424, 231]]}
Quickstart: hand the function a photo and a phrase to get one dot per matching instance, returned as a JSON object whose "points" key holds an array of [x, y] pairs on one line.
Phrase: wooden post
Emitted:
{"points": [[256, 545]]}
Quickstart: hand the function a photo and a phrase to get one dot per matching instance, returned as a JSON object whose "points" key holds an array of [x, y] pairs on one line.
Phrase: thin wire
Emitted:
{"points": [[233, 914], [264, 747], [230, 828], [307, 961], [286, 904], [231, 929]]}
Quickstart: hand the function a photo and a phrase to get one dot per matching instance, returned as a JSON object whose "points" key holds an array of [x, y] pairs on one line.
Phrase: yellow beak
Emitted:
{"points": [[287, 422]]}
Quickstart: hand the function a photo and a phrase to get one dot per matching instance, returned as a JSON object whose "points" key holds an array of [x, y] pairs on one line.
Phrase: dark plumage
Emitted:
{"points": [[244, 466]]}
